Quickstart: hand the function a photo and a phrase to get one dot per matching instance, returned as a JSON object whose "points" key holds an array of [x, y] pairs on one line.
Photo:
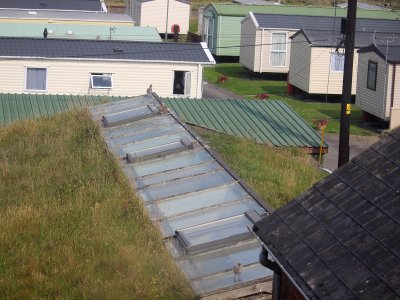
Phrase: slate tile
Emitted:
{"points": [[320, 240], [324, 211], [367, 249]]}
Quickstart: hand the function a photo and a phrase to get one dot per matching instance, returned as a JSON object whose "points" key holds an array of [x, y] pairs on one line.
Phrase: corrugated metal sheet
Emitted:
{"points": [[268, 122], [17, 107], [202, 209]]}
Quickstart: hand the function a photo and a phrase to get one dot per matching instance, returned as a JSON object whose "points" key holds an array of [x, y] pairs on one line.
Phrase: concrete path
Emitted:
{"points": [[357, 145], [212, 91]]}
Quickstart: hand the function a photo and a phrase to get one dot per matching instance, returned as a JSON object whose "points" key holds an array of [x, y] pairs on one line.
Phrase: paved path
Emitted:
{"points": [[357, 143], [212, 91]]}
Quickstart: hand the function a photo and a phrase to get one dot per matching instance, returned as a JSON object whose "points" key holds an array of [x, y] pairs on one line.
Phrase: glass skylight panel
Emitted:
{"points": [[172, 162], [224, 280], [222, 260], [141, 136], [150, 143], [207, 215], [177, 174], [141, 126], [199, 200], [187, 185], [130, 115], [214, 234], [162, 150]]}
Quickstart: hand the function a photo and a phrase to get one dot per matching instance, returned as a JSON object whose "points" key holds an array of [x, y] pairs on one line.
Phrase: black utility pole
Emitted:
{"points": [[344, 149]]}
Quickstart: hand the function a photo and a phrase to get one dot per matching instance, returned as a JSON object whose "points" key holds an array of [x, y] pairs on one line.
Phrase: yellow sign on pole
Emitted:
{"points": [[348, 109]]}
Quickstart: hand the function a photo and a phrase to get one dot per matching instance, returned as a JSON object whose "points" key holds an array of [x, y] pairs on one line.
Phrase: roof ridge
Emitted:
{"points": [[93, 41]]}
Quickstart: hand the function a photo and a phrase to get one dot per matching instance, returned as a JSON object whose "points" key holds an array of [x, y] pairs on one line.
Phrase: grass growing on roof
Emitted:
{"points": [[277, 175], [245, 83], [70, 225]]}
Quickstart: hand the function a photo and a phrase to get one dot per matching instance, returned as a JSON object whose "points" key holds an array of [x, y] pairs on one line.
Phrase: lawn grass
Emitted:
{"points": [[277, 175], [71, 227], [247, 84]]}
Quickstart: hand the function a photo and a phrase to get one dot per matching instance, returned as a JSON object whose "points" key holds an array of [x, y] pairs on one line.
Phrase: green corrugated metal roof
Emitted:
{"points": [[242, 10], [76, 31], [16, 107], [267, 122]]}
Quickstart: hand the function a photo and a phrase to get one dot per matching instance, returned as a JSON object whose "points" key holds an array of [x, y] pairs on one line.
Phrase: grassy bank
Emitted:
{"points": [[70, 225], [247, 84], [277, 175]]}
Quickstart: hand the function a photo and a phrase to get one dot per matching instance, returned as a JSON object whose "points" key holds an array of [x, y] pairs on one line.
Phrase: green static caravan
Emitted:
{"points": [[222, 28]]}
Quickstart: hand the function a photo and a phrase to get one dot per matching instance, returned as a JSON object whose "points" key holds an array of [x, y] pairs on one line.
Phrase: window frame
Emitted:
{"points": [[335, 54], [208, 35], [94, 74], [371, 62], [187, 88], [26, 79], [278, 51]]}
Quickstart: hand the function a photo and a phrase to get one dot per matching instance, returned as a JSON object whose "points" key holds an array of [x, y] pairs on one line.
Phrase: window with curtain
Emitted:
{"points": [[36, 79], [372, 75], [337, 62], [278, 50]]}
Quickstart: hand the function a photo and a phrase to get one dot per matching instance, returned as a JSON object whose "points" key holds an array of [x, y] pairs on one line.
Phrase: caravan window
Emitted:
{"points": [[181, 83]]}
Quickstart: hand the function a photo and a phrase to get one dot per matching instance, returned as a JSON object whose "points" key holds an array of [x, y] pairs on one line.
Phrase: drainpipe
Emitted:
{"points": [[385, 82], [392, 92], [199, 81], [393, 84], [262, 48]]}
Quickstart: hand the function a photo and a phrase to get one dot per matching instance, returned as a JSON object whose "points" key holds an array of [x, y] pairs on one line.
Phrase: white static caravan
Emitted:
{"points": [[265, 39], [99, 67], [317, 56], [161, 14], [378, 83]]}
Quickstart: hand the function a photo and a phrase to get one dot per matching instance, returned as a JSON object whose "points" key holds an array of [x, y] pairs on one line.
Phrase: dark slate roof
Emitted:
{"points": [[340, 239], [89, 5], [392, 52], [326, 38], [102, 49], [323, 23], [63, 15]]}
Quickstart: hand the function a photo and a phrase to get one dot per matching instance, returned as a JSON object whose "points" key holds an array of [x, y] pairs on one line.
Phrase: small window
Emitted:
{"points": [[278, 50], [36, 79], [372, 75], [101, 81], [181, 83], [337, 62]]}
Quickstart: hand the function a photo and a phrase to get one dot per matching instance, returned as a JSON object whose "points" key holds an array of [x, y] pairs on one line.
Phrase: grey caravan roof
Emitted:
{"points": [[323, 23], [62, 15], [325, 38], [202, 209], [391, 53], [104, 49], [85, 5]]}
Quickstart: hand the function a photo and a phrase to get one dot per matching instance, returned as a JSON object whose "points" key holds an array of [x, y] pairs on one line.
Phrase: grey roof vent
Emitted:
{"points": [[118, 50]]}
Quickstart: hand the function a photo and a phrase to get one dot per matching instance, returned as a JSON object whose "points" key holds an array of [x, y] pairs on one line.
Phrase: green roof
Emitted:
{"points": [[268, 122], [76, 31], [16, 107], [243, 10]]}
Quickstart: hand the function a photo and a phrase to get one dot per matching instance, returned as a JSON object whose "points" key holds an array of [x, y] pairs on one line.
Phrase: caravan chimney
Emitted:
{"points": [[45, 33]]}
